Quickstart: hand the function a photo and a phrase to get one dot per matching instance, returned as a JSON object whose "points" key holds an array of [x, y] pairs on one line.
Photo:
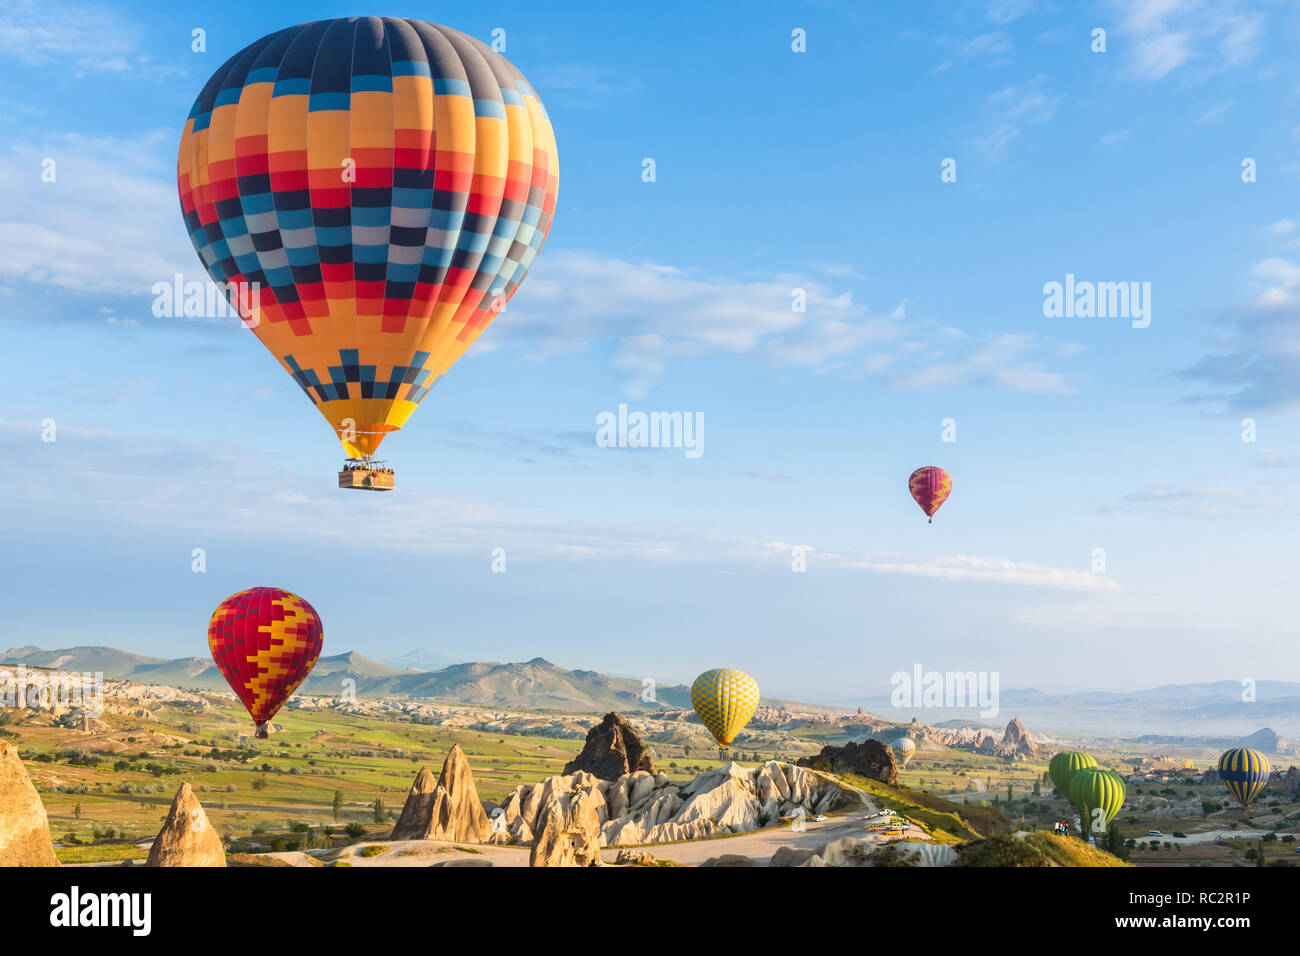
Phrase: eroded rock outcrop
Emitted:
{"points": [[24, 828], [640, 808], [186, 838], [852, 851], [871, 758], [612, 750], [447, 810], [1015, 742], [570, 832]]}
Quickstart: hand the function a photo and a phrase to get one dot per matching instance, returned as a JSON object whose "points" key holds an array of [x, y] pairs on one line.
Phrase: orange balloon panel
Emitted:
{"points": [[380, 187]]}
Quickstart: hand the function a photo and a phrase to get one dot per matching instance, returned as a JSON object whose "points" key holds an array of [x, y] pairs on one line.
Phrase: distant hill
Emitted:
{"points": [[1210, 709], [537, 684], [534, 685], [1206, 713], [190, 673]]}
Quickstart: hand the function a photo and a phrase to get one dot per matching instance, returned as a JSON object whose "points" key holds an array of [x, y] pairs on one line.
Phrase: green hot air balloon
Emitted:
{"points": [[1098, 794], [1062, 768]]}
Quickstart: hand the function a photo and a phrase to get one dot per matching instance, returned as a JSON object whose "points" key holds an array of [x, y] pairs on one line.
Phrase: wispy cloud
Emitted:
{"points": [[957, 567], [655, 315], [1009, 110], [81, 38], [1202, 501], [102, 225], [1164, 36], [1255, 365]]}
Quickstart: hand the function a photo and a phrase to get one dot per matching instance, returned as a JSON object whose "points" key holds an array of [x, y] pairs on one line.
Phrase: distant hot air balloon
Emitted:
{"points": [[930, 487], [384, 185], [265, 642], [724, 699], [1244, 772], [1063, 766], [1098, 794], [905, 749]]}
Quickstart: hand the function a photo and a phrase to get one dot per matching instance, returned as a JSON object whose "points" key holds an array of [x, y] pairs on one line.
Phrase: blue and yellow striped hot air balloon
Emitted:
{"points": [[724, 699], [1244, 772]]}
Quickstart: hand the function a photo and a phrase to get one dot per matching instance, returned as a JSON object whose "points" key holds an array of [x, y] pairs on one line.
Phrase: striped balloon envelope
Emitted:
{"points": [[1244, 772], [378, 188], [724, 699], [1098, 795], [265, 642], [930, 487]]}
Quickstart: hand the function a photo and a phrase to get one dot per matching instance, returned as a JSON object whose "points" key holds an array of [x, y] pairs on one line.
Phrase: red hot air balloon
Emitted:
{"points": [[930, 487], [265, 642]]}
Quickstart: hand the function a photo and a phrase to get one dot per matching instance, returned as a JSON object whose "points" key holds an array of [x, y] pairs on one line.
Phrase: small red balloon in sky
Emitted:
{"points": [[930, 487], [265, 642]]}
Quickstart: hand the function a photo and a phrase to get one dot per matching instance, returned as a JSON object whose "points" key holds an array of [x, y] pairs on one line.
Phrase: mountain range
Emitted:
{"points": [[536, 684], [1175, 711]]}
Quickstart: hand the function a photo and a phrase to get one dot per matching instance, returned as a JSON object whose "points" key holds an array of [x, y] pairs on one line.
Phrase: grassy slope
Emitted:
{"points": [[947, 822]]}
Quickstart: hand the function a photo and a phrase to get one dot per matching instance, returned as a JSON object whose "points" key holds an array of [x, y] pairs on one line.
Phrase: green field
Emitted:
{"points": [[111, 788]]}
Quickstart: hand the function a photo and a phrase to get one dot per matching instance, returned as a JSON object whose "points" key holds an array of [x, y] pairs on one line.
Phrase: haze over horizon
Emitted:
{"points": [[924, 304]]}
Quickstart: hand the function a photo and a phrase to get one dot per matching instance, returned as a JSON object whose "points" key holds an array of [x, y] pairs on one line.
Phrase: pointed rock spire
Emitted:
{"points": [[448, 811], [186, 838]]}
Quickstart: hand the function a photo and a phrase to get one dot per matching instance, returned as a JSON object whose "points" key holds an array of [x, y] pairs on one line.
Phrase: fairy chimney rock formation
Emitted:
{"points": [[186, 838], [449, 810]]}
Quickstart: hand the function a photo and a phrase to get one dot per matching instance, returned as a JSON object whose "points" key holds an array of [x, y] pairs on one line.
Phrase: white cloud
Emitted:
{"points": [[1010, 109], [1215, 113], [1005, 11], [1163, 36], [1202, 501], [109, 223], [963, 567], [81, 38], [1000, 363]]}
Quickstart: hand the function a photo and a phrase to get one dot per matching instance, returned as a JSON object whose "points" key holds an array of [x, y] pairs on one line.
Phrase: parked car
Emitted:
{"points": [[1181, 835], [1154, 833]]}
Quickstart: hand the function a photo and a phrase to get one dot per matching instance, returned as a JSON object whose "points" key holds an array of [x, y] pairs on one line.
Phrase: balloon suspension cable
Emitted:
{"points": [[262, 731]]}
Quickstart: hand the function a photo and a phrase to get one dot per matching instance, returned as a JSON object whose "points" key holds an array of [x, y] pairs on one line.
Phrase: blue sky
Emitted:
{"points": [[775, 171]]}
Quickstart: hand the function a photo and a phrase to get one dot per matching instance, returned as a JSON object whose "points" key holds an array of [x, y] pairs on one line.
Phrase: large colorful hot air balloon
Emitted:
{"points": [[1063, 766], [724, 699], [384, 184], [930, 487], [1098, 794], [265, 642], [1244, 772], [904, 749]]}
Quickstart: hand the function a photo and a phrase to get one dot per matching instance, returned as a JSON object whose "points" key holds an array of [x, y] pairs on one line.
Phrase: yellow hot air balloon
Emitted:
{"points": [[379, 187], [724, 699]]}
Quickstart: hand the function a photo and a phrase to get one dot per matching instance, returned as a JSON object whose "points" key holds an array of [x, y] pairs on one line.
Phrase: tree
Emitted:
{"points": [[338, 804], [1116, 844], [76, 811], [379, 809]]}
